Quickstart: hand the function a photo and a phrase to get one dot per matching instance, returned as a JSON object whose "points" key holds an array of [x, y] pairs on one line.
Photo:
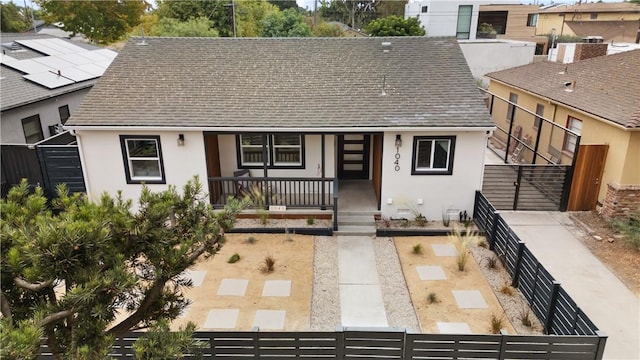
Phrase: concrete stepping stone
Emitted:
{"points": [[221, 319], [431, 273], [356, 260], [444, 250], [232, 287], [469, 299], [269, 319], [276, 288], [362, 306], [454, 328], [197, 277]]}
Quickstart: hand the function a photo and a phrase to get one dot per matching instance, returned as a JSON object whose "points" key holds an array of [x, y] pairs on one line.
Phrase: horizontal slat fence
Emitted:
{"points": [[548, 300], [355, 344]]}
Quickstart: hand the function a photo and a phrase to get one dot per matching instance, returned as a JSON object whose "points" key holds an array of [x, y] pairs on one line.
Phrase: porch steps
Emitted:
{"points": [[356, 223]]}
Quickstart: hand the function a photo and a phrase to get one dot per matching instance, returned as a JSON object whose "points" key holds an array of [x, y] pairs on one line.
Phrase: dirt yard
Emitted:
{"points": [[293, 256], [611, 248], [445, 308]]}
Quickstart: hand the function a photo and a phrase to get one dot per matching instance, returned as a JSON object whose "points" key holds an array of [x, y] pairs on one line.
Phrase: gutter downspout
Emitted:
{"points": [[82, 164]]}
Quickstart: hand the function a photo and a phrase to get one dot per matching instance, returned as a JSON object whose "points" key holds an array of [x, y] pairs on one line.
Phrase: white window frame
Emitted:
{"points": [[242, 146], [448, 170], [570, 140], [128, 160]]}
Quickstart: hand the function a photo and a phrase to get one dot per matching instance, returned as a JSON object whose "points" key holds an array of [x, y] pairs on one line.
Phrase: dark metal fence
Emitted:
{"points": [[349, 344], [549, 301]]}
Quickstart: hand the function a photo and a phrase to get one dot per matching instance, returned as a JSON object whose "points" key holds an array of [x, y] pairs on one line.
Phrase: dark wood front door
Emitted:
{"points": [[587, 177], [353, 156]]}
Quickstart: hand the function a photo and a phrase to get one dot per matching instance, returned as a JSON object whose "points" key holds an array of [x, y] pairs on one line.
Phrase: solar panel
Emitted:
{"points": [[54, 62], [51, 46], [6, 59], [91, 69], [48, 80], [27, 66], [109, 54], [76, 59], [76, 74]]}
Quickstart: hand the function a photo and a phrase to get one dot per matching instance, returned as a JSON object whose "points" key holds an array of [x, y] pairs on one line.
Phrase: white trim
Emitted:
{"points": [[299, 130], [83, 166]]}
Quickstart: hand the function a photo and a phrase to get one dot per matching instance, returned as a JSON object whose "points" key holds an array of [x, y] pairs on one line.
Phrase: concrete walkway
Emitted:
{"points": [[361, 303], [614, 308]]}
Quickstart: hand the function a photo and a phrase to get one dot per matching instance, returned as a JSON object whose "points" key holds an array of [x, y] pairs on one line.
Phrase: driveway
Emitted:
{"points": [[614, 308]]}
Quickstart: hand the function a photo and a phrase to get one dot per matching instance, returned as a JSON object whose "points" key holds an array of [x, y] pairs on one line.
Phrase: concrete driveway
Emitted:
{"points": [[615, 309]]}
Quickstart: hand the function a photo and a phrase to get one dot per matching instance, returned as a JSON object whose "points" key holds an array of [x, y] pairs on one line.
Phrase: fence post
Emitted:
{"points": [[516, 270], [335, 204], [568, 177], [494, 226], [475, 206], [517, 185], [602, 341], [552, 306]]}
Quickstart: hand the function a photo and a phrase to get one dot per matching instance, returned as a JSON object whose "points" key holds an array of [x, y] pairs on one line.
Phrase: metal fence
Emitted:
{"points": [[548, 300], [358, 344]]}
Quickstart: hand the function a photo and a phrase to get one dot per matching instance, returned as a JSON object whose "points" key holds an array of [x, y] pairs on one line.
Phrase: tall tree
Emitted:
{"points": [[284, 4], [249, 16], [12, 18], [395, 26], [101, 21], [198, 27], [288, 23], [69, 272]]}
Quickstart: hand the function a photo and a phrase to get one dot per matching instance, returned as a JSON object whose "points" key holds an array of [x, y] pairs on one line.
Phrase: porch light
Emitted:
{"points": [[398, 140], [180, 139]]}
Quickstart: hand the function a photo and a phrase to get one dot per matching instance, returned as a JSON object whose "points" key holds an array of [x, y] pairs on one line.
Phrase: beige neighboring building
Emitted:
{"points": [[513, 22], [618, 22], [599, 98]]}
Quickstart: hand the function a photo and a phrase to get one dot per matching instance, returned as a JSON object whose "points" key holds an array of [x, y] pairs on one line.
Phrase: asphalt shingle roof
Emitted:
{"points": [[606, 86], [286, 82], [16, 91]]}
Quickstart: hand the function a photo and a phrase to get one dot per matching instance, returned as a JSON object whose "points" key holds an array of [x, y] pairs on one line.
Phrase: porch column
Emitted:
{"points": [[265, 191], [322, 147]]}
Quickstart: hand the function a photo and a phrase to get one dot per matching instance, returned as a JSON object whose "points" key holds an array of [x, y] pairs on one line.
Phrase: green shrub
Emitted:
{"points": [[234, 258], [630, 227]]}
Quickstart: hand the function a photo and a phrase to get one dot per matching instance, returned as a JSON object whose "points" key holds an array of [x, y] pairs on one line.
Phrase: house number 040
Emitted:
{"points": [[397, 162]]}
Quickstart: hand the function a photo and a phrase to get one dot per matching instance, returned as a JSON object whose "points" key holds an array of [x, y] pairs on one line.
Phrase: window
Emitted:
{"points": [[511, 109], [496, 19], [571, 140], [433, 155], [538, 119], [142, 159], [424, 9], [32, 129], [464, 21], [532, 20], [283, 150], [64, 113], [594, 16]]}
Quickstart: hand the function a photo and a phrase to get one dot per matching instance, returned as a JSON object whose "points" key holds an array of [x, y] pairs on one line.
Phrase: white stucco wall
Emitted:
{"points": [[11, 131], [485, 56], [441, 18], [438, 192], [105, 170], [312, 153]]}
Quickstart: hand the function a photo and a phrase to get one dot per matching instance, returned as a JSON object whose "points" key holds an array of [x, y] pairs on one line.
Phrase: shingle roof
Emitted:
{"points": [[594, 7], [606, 86], [615, 30], [16, 91], [286, 82]]}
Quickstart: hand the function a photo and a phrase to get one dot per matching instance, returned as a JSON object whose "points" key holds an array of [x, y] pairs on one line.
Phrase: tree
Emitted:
{"points": [[325, 29], [395, 26], [219, 12], [12, 18], [249, 16], [69, 268], [199, 27], [101, 21], [288, 23], [284, 4]]}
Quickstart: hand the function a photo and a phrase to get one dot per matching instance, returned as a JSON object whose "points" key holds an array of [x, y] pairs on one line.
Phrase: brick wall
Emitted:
{"points": [[621, 200], [589, 50]]}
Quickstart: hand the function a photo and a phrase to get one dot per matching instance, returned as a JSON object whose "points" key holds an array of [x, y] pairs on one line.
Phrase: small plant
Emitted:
{"points": [[630, 227], [462, 241], [234, 258], [269, 264], [251, 240], [445, 218], [258, 199], [432, 298], [507, 289], [482, 242], [310, 221], [496, 324], [417, 249], [421, 220], [525, 316], [386, 222], [492, 262]]}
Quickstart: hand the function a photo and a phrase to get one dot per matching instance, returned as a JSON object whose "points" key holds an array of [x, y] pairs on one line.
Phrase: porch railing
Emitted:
{"points": [[290, 192]]}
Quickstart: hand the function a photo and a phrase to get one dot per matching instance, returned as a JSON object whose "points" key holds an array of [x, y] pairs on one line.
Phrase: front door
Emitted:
{"points": [[587, 177], [353, 156]]}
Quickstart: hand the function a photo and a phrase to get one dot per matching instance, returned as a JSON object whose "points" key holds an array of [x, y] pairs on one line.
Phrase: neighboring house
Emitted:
{"points": [[617, 22], [42, 80], [597, 98], [513, 22], [461, 20], [402, 114], [571, 52]]}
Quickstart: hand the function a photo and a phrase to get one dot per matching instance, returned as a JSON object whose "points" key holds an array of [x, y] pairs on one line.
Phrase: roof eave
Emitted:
{"points": [[280, 129]]}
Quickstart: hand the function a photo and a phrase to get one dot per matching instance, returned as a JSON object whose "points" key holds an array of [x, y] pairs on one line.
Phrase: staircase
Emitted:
{"points": [[356, 223]]}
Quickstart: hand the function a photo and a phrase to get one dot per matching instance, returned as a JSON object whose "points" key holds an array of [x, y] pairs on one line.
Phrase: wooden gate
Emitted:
{"points": [[587, 177]]}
